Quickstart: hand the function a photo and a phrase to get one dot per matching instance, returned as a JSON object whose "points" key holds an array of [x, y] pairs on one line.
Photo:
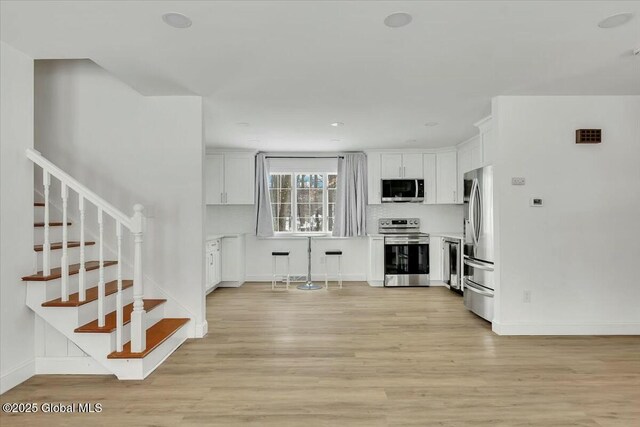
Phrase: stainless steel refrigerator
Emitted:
{"points": [[479, 242]]}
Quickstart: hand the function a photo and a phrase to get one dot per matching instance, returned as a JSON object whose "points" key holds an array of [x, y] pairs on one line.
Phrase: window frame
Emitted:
{"points": [[294, 204]]}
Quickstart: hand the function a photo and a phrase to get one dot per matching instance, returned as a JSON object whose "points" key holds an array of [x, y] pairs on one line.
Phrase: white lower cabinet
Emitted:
{"points": [[435, 259], [214, 264], [375, 273]]}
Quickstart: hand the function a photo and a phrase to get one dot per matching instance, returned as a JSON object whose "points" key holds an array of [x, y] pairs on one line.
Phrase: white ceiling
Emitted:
{"points": [[289, 69]]}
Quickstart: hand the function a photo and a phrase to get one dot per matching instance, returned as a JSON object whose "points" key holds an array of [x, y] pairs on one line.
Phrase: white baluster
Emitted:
{"points": [[82, 292], [119, 314], [64, 262], [46, 247], [138, 331], [101, 314]]}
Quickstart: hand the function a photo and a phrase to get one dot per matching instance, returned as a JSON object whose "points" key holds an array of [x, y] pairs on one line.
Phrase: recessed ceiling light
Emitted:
{"points": [[398, 19], [243, 124], [337, 124], [411, 141], [336, 140], [615, 20], [176, 20], [254, 141], [431, 124]]}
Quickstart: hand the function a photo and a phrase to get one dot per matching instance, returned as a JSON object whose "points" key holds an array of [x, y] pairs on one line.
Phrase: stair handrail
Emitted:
{"points": [[46, 165], [134, 224]]}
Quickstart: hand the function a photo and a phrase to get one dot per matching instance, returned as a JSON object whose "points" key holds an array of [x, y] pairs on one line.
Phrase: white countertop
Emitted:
{"points": [[222, 236]]}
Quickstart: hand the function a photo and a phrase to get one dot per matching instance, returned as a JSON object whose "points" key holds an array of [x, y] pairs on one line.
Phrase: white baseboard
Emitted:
{"points": [[566, 329], [69, 366], [201, 329], [376, 283], [314, 277], [17, 375]]}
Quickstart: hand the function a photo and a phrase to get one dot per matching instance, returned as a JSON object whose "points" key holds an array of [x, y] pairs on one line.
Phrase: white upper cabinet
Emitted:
{"points": [[447, 177], [230, 179], [214, 179], [373, 178], [429, 161], [397, 165], [391, 166]]}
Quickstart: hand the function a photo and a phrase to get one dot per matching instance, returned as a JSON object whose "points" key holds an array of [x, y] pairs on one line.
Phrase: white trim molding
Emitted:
{"points": [[69, 365], [201, 329], [17, 375], [566, 329]]}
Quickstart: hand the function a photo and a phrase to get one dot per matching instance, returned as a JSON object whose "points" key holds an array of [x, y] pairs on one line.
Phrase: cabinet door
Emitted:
{"points": [[476, 155], [239, 178], [412, 166], [487, 147], [217, 263], [435, 258], [391, 166], [447, 177], [376, 259], [429, 175], [373, 178], [464, 165], [214, 179]]}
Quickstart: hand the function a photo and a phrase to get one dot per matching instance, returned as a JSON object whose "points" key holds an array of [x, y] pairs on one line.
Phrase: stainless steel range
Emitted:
{"points": [[406, 252]]}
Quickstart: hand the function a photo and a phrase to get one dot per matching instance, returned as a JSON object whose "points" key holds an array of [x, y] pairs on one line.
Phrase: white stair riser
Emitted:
{"points": [[151, 318], [52, 289], [88, 312], [90, 253], [55, 234]]}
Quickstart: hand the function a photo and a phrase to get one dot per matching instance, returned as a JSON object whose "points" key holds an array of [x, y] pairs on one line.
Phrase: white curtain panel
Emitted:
{"points": [[262, 205], [351, 197]]}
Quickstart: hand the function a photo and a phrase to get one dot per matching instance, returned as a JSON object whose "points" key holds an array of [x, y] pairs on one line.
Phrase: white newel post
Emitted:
{"points": [[46, 247], [138, 331], [64, 262]]}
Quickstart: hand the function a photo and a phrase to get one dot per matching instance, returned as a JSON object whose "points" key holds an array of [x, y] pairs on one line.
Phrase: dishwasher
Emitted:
{"points": [[452, 264]]}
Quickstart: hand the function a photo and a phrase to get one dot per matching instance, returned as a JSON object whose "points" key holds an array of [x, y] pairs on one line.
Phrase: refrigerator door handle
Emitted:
{"points": [[478, 207], [472, 217], [470, 286], [478, 265]]}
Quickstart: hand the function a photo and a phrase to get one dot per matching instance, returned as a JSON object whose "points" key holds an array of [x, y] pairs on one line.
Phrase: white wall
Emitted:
{"points": [[240, 219], [16, 221], [129, 149], [578, 255]]}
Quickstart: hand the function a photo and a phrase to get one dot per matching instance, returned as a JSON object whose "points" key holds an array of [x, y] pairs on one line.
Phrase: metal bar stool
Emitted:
{"points": [[329, 254], [274, 265]]}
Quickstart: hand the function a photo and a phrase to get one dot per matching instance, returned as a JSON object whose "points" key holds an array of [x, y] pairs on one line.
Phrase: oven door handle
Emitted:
{"points": [[389, 241], [469, 285]]}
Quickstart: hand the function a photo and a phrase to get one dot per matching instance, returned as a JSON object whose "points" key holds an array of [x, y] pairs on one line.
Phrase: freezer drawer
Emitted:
{"points": [[478, 299], [479, 272]]}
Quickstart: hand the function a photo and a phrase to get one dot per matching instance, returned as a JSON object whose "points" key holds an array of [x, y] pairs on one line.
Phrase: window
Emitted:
{"points": [[303, 202]]}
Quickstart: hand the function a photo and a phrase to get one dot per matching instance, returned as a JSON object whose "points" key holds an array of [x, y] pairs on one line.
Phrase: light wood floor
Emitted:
{"points": [[359, 356]]}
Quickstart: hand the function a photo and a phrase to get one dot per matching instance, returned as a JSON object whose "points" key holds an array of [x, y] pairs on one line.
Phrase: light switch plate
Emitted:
{"points": [[517, 180], [537, 202]]}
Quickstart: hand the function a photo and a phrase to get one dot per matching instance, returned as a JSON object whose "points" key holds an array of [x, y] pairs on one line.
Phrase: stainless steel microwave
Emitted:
{"points": [[402, 190]]}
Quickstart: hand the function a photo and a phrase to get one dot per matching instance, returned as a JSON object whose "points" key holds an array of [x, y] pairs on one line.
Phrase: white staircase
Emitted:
{"points": [[85, 296]]}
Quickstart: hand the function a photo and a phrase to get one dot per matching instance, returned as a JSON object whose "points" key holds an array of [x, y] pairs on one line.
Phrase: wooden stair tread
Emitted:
{"points": [[56, 273], [110, 319], [51, 224], [58, 245], [156, 335], [92, 295]]}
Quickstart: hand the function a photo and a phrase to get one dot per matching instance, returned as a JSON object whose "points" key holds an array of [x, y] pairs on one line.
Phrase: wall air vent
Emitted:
{"points": [[588, 136]]}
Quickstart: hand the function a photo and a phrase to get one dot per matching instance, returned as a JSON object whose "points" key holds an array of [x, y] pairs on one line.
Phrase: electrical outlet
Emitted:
{"points": [[517, 180], [526, 296]]}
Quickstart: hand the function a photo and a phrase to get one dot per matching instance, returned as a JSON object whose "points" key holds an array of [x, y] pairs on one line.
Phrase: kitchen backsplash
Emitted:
{"points": [[433, 218]]}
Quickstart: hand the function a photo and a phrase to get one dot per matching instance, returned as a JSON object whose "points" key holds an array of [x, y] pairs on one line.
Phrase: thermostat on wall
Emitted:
{"points": [[537, 202]]}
